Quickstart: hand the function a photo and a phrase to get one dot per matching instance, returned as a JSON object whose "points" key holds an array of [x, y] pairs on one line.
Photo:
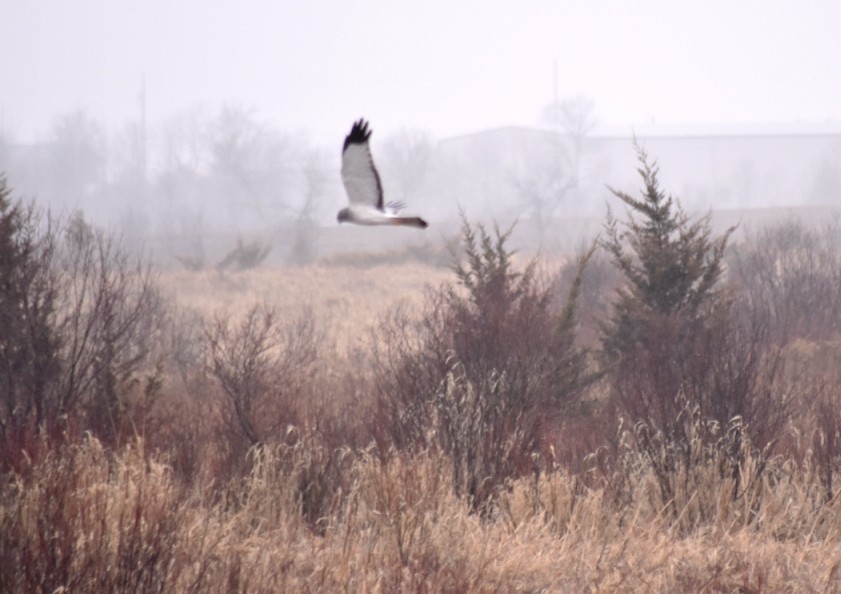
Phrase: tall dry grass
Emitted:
{"points": [[87, 520]]}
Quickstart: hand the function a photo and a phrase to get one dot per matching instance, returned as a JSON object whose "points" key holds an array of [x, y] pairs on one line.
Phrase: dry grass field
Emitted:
{"points": [[346, 300], [253, 454]]}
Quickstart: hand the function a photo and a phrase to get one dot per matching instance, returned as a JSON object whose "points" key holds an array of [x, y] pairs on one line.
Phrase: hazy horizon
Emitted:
{"points": [[448, 69]]}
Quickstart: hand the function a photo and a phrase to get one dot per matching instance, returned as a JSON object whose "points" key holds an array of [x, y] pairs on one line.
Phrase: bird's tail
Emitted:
{"points": [[410, 222]]}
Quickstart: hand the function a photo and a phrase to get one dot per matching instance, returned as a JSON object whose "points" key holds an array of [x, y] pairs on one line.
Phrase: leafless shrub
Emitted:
{"points": [[789, 275], [261, 365], [793, 273], [193, 264], [245, 256], [110, 318], [340, 406], [180, 340]]}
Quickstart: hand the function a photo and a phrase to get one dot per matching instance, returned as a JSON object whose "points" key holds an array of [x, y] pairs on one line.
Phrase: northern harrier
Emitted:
{"points": [[363, 187]]}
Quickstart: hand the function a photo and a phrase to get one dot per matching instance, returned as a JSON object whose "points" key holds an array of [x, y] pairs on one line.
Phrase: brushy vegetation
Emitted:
{"points": [[485, 372], [661, 414]]}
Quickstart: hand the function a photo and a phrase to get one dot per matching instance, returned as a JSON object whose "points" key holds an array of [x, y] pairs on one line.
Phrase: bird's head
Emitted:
{"points": [[344, 215]]}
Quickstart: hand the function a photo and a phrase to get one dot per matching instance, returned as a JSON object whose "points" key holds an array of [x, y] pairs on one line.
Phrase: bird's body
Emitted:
{"points": [[363, 186]]}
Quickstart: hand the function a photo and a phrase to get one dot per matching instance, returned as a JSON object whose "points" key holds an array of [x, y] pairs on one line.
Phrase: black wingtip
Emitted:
{"points": [[359, 134]]}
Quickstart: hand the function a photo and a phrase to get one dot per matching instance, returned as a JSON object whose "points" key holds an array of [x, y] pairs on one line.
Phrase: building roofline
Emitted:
{"points": [[678, 132]]}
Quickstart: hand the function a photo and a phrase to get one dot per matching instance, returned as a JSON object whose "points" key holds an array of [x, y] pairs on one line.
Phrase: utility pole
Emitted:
{"points": [[557, 107], [142, 131]]}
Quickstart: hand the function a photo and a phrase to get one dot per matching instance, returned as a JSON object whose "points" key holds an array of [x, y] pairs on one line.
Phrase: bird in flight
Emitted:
{"points": [[363, 187]]}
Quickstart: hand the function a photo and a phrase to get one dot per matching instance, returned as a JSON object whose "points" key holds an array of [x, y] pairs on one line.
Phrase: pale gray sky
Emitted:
{"points": [[446, 66]]}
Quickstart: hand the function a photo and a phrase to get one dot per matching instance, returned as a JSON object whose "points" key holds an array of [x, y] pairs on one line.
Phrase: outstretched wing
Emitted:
{"points": [[394, 207], [360, 177]]}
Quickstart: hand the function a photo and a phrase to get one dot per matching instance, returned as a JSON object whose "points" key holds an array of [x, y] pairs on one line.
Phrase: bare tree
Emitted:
{"points": [[555, 175], [182, 187], [77, 156], [316, 177], [183, 142], [251, 164]]}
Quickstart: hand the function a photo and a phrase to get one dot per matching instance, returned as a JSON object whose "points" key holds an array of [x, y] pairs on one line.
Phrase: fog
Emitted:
{"points": [[187, 125]]}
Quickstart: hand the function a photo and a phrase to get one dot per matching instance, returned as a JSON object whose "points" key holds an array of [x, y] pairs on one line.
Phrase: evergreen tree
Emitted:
{"points": [[671, 265], [28, 344], [663, 343]]}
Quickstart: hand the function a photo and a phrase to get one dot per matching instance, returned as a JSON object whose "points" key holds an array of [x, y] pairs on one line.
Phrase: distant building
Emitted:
{"points": [[706, 167]]}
